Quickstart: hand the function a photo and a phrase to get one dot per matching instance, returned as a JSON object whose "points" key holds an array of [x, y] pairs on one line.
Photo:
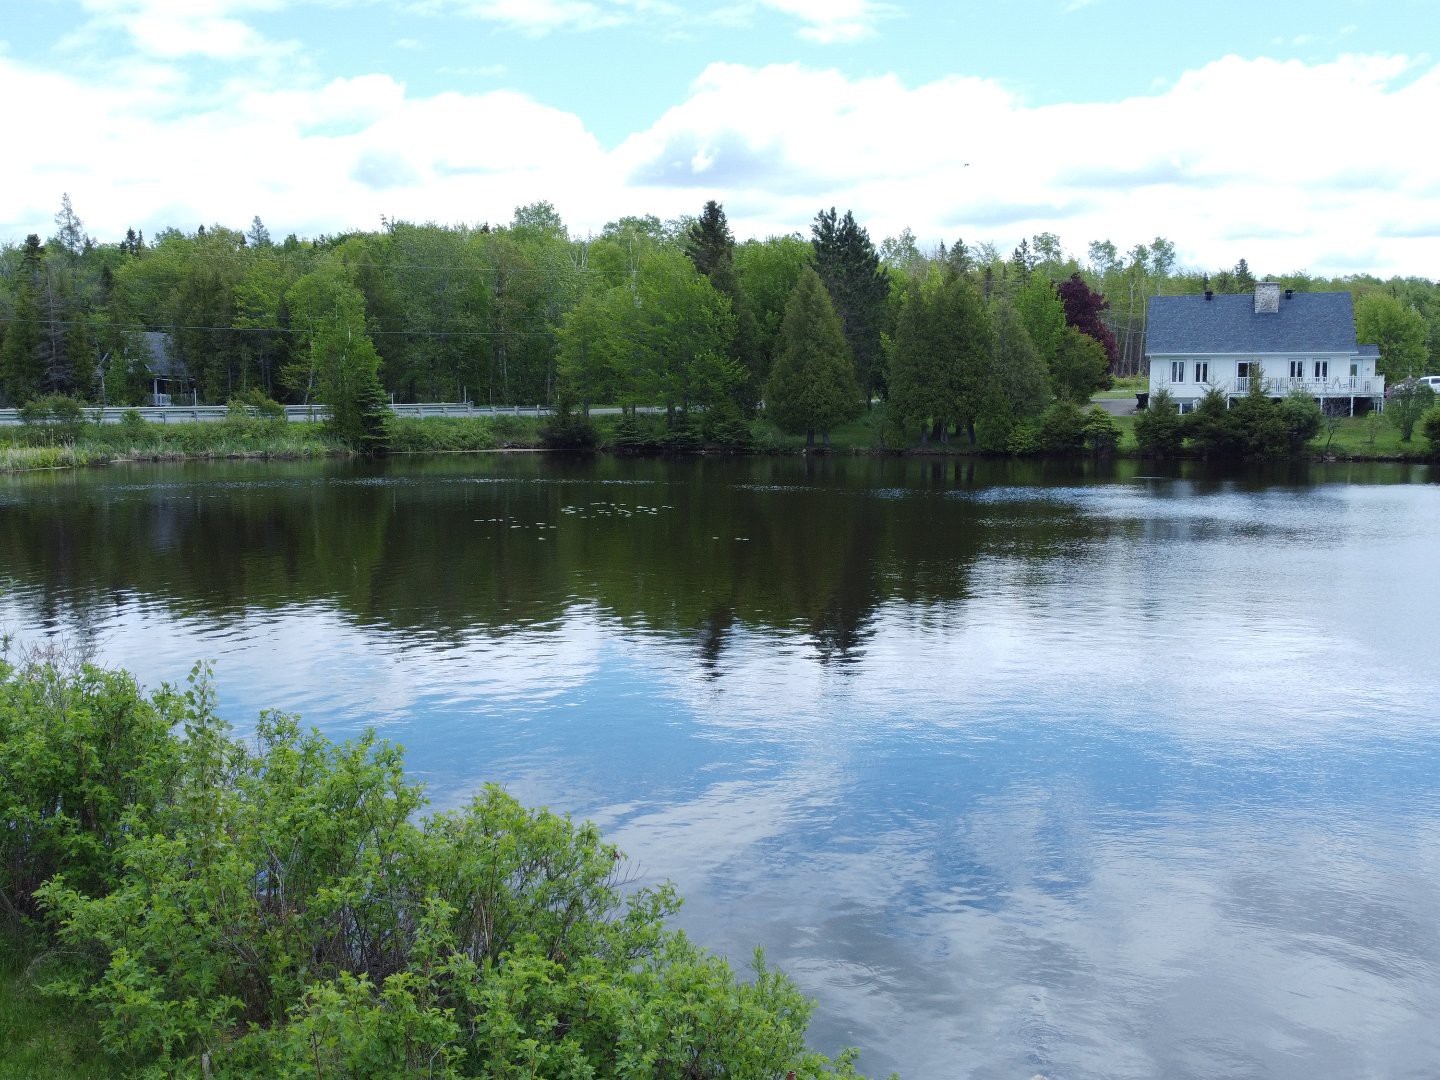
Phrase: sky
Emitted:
{"points": [[1298, 136]]}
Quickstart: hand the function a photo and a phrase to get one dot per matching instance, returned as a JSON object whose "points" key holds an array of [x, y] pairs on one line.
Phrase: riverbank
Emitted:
{"points": [[1365, 438]]}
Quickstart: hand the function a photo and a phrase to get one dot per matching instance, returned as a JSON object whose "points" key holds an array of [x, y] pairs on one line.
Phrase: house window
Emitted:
{"points": [[1322, 369], [1202, 371], [1297, 369], [1354, 370], [1242, 369], [1177, 371]]}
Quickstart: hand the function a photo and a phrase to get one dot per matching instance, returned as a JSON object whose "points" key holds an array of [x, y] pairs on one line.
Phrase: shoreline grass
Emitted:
{"points": [[42, 1036], [1351, 439]]}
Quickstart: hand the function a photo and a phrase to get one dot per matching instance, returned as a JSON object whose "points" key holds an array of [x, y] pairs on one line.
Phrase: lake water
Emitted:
{"points": [[1018, 769]]}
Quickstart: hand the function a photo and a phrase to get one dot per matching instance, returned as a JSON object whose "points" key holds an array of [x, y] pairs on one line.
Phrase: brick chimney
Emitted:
{"points": [[1267, 298]]}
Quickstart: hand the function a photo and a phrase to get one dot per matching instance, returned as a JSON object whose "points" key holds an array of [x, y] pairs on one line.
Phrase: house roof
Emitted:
{"points": [[158, 352], [1306, 322]]}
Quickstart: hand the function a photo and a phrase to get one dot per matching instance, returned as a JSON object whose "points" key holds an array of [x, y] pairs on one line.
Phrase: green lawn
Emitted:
{"points": [[41, 1037], [1370, 436]]}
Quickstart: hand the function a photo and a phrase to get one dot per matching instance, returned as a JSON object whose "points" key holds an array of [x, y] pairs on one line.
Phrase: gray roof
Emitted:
{"points": [[1306, 322], [158, 352]]}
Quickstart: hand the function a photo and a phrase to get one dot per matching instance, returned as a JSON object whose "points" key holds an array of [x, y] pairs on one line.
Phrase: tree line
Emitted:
{"points": [[961, 341]]}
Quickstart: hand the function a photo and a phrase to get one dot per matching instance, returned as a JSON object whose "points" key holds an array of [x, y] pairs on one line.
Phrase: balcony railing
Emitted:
{"points": [[1341, 386]]}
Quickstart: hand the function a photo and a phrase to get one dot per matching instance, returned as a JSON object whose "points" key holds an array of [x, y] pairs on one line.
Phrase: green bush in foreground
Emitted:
{"points": [[279, 907]]}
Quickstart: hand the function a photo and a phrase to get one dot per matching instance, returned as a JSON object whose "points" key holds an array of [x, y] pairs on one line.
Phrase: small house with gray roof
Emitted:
{"points": [[164, 371], [1292, 341]]}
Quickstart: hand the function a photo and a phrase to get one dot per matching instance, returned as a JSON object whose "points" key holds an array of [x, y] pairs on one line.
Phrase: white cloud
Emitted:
{"points": [[173, 29], [1252, 158], [833, 21], [534, 17]]}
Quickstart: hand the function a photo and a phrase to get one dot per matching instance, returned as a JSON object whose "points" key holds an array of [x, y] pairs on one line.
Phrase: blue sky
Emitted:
{"points": [[1293, 135]]}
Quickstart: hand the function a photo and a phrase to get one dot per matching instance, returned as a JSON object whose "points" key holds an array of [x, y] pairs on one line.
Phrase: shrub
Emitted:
{"points": [[682, 436], [566, 429], [77, 751], [280, 908], [1302, 417], [1406, 404], [1430, 428], [1159, 429], [1102, 434], [133, 427], [1211, 428], [637, 434], [1024, 438], [725, 426], [1062, 428], [53, 419]]}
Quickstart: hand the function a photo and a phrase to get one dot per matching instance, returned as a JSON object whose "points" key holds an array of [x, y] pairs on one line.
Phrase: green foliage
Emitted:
{"points": [[859, 289], [1406, 404], [1430, 428], [726, 427], [1159, 428], [281, 907], [1025, 438], [77, 751], [265, 406], [1080, 366], [1302, 417], [1063, 428], [53, 419], [812, 385], [637, 434], [340, 364], [1102, 434], [40, 1036], [1399, 331], [133, 426], [566, 429]]}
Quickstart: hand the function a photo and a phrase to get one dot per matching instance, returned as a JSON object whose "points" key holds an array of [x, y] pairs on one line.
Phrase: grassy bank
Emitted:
{"points": [[40, 1036], [23, 449], [64, 446]]}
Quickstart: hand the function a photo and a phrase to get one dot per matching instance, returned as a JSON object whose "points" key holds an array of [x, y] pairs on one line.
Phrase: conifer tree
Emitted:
{"points": [[21, 361], [812, 386], [859, 288]]}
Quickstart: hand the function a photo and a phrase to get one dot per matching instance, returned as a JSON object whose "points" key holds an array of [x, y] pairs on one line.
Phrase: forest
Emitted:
{"points": [[674, 314]]}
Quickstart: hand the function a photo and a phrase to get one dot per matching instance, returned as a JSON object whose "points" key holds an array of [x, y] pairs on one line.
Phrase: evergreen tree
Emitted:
{"points": [[859, 289], [1244, 280], [942, 356], [914, 389], [21, 362], [70, 236], [711, 246], [1019, 373], [258, 236], [1079, 368], [812, 386], [1043, 314]]}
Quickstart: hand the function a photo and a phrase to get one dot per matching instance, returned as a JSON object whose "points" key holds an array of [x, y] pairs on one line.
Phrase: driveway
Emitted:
{"points": [[1116, 406]]}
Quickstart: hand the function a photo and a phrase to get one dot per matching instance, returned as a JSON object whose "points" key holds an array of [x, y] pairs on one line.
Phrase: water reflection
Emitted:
{"points": [[1059, 769]]}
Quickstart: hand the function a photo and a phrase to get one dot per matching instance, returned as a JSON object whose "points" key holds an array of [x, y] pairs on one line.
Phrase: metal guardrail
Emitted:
{"points": [[296, 414]]}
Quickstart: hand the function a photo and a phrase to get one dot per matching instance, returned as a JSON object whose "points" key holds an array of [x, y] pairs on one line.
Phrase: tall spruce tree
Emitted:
{"points": [[812, 385], [711, 246], [22, 364], [859, 288]]}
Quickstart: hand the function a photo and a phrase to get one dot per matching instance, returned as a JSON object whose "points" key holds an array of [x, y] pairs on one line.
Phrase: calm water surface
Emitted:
{"points": [[1018, 770]]}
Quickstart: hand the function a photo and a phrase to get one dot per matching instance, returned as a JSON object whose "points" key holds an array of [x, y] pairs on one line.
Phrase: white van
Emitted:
{"points": [[1432, 381]]}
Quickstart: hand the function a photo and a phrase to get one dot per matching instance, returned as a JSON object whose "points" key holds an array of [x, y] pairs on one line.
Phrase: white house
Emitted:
{"points": [[1294, 341]]}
